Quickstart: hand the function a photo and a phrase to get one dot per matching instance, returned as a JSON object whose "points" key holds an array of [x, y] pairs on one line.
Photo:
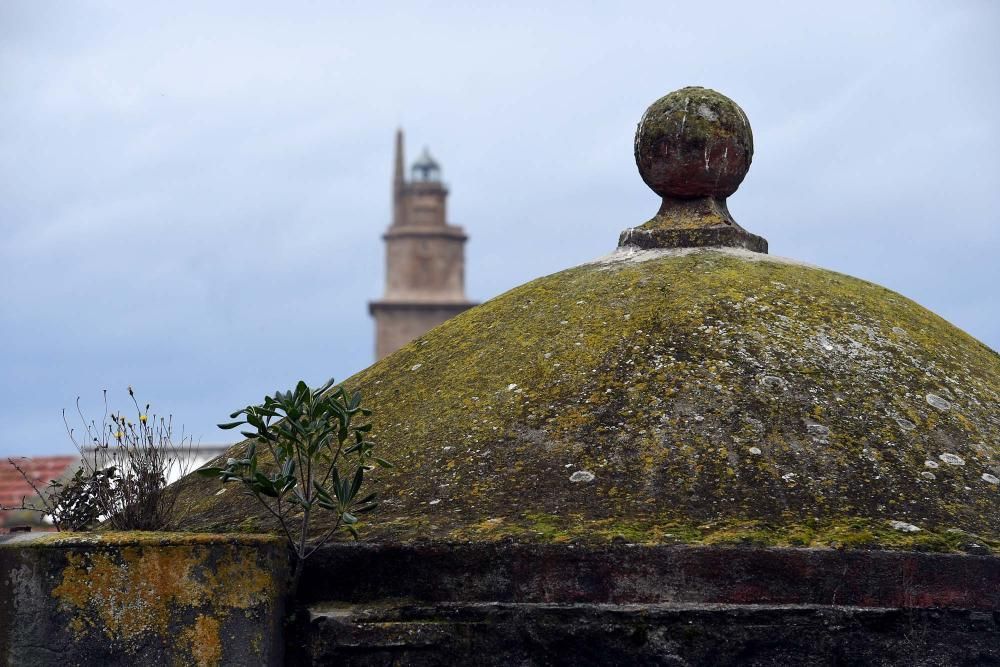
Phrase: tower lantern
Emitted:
{"points": [[425, 169]]}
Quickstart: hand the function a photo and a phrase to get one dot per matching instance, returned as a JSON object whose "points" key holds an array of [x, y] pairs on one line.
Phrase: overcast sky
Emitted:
{"points": [[192, 194]]}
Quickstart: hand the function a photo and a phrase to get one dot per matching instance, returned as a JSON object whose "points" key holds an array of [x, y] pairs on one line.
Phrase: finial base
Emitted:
{"points": [[692, 223]]}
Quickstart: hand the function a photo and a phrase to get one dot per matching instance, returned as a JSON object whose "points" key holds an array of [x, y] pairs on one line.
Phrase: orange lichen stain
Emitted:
{"points": [[205, 642], [129, 596], [78, 626], [133, 592], [239, 583]]}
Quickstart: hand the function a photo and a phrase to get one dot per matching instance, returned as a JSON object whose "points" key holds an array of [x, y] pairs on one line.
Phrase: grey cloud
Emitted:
{"points": [[191, 196]]}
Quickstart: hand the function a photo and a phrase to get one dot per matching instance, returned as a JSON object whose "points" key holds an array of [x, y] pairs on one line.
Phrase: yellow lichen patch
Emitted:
{"points": [[133, 593], [204, 641], [128, 594], [239, 583]]}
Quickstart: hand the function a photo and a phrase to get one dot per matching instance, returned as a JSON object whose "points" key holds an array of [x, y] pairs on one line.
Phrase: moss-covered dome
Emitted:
{"points": [[682, 394]]}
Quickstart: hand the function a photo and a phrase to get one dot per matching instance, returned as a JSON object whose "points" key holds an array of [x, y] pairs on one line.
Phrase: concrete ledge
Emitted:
{"points": [[142, 598], [653, 634], [622, 574]]}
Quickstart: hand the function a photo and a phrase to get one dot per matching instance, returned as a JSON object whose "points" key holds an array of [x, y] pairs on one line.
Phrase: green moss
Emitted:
{"points": [[249, 525], [138, 538], [832, 533], [710, 388], [678, 110]]}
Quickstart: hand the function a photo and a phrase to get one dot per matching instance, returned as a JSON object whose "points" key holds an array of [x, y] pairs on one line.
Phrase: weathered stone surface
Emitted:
{"points": [[399, 322], [717, 396], [508, 603], [625, 574], [643, 634], [693, 142], [692, 223], [693, 147], [141, 598]]}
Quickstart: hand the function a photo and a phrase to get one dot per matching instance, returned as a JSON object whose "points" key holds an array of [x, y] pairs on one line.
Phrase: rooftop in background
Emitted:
{"points": [[13, 487], [43, 469]]}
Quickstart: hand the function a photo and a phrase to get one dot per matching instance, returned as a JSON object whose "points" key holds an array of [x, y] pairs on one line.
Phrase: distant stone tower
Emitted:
{"points": [[424, 258]]}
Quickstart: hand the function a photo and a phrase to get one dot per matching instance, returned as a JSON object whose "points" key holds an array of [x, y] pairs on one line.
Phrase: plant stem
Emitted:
{"points": [[296, 576]]}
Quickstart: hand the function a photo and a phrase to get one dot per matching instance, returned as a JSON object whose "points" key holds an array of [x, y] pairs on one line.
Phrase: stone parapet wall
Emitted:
{"points": [[142, 598], [531, 604], [487, 634], [624, 574]]}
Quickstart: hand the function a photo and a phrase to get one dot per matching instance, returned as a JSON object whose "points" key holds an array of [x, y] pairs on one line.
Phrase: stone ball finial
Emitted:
{"points": [[693, 142], [693, 147]]}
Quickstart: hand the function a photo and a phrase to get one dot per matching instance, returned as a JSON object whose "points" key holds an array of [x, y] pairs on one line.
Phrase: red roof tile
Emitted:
{"points": [[41, 470]]}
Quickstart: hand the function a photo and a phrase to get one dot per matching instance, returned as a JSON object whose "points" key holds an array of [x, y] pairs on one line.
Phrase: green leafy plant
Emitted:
{"points": [[319, 454]]}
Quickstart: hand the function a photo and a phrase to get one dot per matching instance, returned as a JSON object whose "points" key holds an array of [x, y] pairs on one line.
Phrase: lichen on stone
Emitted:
{"points": [[130, 589], [716, 388], [204, 641]]}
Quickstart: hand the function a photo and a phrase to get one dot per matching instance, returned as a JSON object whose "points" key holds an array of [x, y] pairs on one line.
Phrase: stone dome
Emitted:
{"points": [[682, 389]]}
